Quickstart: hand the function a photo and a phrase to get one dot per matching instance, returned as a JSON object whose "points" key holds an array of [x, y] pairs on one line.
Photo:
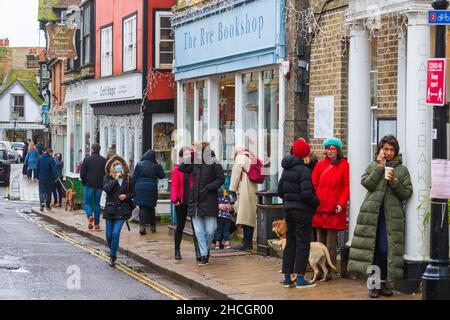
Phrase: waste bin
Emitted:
{"points": [[268, 210]]}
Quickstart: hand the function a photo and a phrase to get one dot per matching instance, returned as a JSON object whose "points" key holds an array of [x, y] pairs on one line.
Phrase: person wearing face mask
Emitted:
{"points": [[379, 237], [119, 202], [145, 185], [331, 180]]}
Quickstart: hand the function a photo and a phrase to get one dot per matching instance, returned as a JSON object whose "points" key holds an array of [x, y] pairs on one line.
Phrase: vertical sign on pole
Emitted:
{"points": [[436, 82]]}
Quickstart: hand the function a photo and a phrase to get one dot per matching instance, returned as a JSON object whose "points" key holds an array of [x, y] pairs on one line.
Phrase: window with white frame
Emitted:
{"points": [[106, 51], [129, 44], [18, 103], [164, 40], [86, 51]]}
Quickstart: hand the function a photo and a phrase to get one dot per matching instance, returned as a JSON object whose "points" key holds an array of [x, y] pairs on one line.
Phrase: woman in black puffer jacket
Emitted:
{"points": [[203, 206], [300, 203], [119, 202], [145, 186]]}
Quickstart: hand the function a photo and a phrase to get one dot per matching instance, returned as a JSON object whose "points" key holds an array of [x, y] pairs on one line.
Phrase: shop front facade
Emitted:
{"points": [[116, 103], [81, 127], [230, 80]]}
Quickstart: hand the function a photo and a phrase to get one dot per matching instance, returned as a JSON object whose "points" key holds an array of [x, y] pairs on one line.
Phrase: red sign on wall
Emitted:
{"points": [[436, 82]]}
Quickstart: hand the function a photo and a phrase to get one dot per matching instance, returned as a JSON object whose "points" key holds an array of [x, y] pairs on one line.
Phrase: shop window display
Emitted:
{"points": [[227, 120], [250, 95], [189, 106], [162, 145], [203, 109]]}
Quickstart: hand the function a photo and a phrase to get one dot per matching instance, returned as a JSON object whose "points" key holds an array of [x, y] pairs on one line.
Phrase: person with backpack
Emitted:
{"points": [[331, 179], [119, 202], [245, 176]]}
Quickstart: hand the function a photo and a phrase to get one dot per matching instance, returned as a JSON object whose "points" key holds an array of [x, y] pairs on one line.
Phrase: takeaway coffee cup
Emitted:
{"points": [[387, 170]]}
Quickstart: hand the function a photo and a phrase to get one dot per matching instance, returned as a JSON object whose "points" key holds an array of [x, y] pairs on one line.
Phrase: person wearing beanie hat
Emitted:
{"points": [[301, 149], [331, 179], [300, 202], [333, 142]]}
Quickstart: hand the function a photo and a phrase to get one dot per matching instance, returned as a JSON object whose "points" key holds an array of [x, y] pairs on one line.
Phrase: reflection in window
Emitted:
{"points": [[227, 119], [250, 110], [271, 116], [188, 96], [203, 109], [162, 145]]}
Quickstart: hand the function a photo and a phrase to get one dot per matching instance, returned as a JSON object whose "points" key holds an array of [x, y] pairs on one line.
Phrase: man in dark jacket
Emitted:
{"points": [[40, 147], [203, 207], [145, 186], [92, 174], [47, 175], [300, 203]]}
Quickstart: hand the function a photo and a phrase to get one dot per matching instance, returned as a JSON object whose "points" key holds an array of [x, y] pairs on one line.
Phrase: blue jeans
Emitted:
{"points": [[204, 231], [45, 192], [91, 194], [113, 229], [223, 230]]}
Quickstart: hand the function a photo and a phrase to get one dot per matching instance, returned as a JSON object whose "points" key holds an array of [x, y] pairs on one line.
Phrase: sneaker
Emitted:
{"points": [[97, 227], [142, 230], [153, 229], [302, 283], [227, 245], [217, 245], [203, 262], [91, 221], [42, 207]]}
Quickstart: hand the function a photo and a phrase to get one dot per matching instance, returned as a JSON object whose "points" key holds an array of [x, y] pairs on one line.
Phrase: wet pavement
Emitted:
{"points": [[36, 264]]}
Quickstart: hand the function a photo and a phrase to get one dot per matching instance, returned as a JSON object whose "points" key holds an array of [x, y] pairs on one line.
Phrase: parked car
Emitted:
{"points": [[12, 154], [5, 166], [19, 147]]}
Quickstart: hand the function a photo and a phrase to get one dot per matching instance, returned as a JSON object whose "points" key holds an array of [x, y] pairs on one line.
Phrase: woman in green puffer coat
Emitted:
{"points": [[380, 231]]}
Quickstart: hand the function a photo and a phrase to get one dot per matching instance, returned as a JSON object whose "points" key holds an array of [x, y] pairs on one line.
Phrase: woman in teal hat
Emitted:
{"points": [[331, 180]]}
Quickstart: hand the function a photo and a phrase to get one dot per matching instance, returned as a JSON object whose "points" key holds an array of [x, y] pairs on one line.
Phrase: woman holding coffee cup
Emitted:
{"points": [[379, 234]]}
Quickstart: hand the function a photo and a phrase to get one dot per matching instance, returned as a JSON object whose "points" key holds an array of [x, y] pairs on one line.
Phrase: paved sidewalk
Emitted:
{"points": [[230, 275]]}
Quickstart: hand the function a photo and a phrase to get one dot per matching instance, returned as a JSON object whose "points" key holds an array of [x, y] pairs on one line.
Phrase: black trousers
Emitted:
{"points": [[380, 256], [147, 216], [181, 213], [298, 237]]}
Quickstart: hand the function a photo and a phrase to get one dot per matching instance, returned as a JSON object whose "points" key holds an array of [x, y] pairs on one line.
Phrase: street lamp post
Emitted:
{"points": [[15, 116], [436, 279]]}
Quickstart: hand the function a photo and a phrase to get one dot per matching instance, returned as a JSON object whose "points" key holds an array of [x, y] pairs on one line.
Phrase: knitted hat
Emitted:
{"points": [[333, 142], [301, 148]]}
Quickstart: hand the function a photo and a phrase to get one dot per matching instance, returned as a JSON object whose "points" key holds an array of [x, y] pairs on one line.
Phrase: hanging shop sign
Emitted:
{"points": [[61, 41]]}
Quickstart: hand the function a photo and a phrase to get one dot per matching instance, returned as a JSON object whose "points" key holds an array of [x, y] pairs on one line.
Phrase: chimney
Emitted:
{"points": [[4, 42]]}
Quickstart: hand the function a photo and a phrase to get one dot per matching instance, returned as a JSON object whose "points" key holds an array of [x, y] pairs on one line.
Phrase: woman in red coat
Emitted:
{"points": [[179, 196], [331, 182]]}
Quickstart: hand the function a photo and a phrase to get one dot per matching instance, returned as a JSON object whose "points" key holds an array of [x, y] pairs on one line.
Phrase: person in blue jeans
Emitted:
{"points": [[92, 174], [224, 220], [203, 206], [119, 202], [46, 166]]}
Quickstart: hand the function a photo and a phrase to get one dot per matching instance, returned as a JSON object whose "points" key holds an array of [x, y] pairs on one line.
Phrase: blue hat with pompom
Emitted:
{"points": [[332, 142]]}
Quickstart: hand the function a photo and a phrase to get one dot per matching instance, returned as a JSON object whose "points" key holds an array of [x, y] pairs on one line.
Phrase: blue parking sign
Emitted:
{"points": [[438, 17]]}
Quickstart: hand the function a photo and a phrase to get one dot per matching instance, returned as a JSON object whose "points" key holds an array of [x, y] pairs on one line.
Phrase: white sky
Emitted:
{"points": [[19, 23]]}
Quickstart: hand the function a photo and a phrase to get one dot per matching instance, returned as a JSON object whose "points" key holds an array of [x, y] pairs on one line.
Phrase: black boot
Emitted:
{"points": [[112, 261], [385, 290], [142, 229], [178, 237], [198, 255], [247, 243]]}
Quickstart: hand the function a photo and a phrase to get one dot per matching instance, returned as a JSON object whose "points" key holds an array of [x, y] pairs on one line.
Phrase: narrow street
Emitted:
{"points": [[36, 263]]}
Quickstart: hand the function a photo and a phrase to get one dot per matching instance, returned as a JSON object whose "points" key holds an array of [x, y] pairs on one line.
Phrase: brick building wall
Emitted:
{"points": [[58, 87], [329, 72], [387, 56]]}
